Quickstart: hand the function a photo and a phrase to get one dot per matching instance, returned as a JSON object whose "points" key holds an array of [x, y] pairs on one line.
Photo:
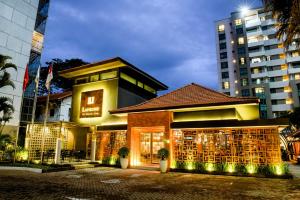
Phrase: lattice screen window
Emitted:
{"points": [[256, 145]]}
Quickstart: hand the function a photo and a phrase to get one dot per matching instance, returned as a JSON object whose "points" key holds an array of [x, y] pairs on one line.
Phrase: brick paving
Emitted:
{"points": [[110, 183]]}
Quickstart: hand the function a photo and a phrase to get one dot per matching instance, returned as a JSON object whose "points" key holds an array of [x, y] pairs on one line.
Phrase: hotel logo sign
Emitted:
{"points": [[91, 104]]}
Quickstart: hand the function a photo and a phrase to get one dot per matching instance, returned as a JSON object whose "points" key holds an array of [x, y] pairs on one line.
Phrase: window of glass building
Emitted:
{"points": [[222, 36], [223, 45], [259, 90], [238, 22], [241, 40], [225, 75], [243, 72], [221, 27], [226, 85], [242, 61], [297, 76], [224, 65], [295, 54], [223, 55], [109, 75], [244, 82], [245, 93]]}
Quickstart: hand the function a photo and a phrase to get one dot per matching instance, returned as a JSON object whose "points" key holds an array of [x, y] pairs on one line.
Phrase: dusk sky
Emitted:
{"points": [[172, 40]]}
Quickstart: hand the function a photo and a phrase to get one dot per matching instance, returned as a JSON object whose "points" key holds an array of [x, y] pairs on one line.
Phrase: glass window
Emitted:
{"points": [[108, 75], [295, 54], [245, 93], [223, 45], [241, 40], [81, 80], [94, 77], [128, 78], [238, 22], [221, 27], [223, 55], [150, 89], [259, 90], [241, 50], [224, 65], [239, 31], [222, 36], [140, 84], [242, 61], [244, 82], [225, 75], [243, 71], [226, 85], [297, 76]]}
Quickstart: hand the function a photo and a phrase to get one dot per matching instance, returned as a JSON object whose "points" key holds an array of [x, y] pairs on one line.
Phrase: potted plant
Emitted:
{"points": [[163, 154], [123, 153]]}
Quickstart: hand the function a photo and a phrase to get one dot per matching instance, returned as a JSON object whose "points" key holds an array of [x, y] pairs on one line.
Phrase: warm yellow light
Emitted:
{"points": [[251, 169], [230, 168], [221, 27], [289, 101], [190, 166], [210, 167], [278, 170]]}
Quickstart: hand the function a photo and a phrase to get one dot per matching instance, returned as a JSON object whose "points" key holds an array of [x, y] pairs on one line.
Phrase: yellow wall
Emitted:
{"points": [[110, 94]]}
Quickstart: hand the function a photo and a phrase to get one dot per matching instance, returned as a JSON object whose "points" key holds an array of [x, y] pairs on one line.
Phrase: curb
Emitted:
{"points": [[34, 170]]}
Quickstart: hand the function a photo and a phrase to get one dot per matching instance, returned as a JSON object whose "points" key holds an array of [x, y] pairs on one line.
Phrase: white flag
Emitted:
{"points": [[49, 77]]}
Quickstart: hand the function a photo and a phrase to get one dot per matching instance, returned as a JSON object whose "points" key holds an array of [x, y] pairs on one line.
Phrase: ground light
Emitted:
{"points": [[251, 169], [279, 169], [190, 166], [210, 167], [230, 168]]}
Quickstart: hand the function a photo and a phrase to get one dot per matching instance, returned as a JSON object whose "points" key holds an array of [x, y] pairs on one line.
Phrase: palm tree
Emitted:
{"points": [[4, 140], [287, 14], [6, 107]]}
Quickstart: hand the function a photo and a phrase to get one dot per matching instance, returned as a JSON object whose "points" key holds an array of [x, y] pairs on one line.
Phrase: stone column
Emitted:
{"points": [[57, 151]]}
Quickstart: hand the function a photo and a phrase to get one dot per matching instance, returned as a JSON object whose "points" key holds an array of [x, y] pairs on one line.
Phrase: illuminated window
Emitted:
{"points": [[149, 89], [241, 40], [94, 77], [259, 90], [140, 84], [252, 39], [128, 78], [226, 85], [256, 70], [265, 37], [221, 27], [108, 75], [295, 54], [244, 82], [238, 22], [242, 60], [297, 76], [255, 60], [91, 100]]}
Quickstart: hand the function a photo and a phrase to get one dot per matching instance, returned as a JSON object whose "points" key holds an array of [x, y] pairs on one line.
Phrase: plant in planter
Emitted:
{"points": [[123, 153], [163, 154]]}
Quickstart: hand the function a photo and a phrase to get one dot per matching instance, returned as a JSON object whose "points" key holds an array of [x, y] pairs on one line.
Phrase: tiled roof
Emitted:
{"points": [[191, 95], [56, 96]]}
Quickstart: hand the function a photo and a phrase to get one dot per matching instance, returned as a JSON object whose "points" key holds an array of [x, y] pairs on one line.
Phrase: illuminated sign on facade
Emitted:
{"points": [[91, 104]]}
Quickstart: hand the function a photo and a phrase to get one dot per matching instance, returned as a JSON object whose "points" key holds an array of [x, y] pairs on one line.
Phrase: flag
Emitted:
{"points": [[26, 78], [37, 77], [49, 77]]}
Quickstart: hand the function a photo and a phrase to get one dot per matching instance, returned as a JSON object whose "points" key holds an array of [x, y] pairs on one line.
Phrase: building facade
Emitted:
{"points": [[114, 104], [17, 23], [253, 62]]}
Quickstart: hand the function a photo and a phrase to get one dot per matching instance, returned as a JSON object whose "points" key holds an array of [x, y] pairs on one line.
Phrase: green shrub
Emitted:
{"points": [[123, 152], [163, 153]]}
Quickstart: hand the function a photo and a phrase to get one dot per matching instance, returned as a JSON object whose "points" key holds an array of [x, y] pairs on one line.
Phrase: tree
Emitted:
{"points": [[294, 118], [59, 82], [287, 14], [6, 107]]}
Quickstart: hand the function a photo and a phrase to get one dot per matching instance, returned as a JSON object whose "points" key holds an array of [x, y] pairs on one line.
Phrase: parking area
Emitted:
{"points": [[112, 183]]}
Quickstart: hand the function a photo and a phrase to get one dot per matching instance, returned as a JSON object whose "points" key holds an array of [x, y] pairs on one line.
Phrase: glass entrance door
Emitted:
{"points": [[150, 144]]}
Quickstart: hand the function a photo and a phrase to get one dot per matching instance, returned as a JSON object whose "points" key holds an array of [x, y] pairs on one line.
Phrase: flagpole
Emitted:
{"points": [[46, 112], [25, 82], [19, 126], [37, 79]]}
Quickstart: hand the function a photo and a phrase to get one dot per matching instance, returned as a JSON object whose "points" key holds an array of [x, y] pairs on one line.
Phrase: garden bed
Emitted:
{"points": [[44, 167]]}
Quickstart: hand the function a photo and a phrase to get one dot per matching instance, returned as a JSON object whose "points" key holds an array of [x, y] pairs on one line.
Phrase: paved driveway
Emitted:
{"points": [[110, 183]]}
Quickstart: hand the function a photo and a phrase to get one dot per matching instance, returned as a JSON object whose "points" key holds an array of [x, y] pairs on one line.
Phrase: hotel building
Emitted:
{"points": [[19, 20], [115, 104], [253, 62]]}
